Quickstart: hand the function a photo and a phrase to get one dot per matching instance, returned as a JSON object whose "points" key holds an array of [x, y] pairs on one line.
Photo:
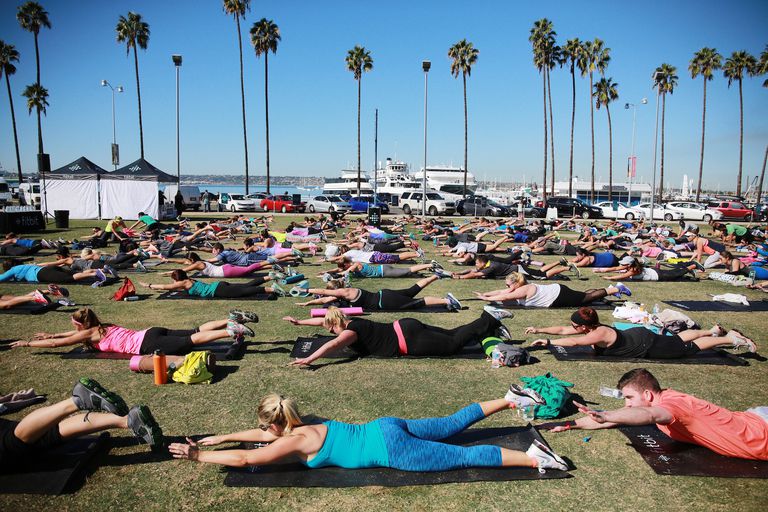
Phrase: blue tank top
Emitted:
{"points": [[352, 446], [370, 271], [203, 289], [605, 259]]}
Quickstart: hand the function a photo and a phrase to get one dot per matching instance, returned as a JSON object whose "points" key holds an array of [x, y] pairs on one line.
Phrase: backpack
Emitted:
{"points": [[512, 355], [553, 390], [193, 370], [126, 290]]}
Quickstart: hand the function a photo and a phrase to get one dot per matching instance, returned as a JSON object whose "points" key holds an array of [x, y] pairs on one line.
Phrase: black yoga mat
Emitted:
{"points": [[714, 356], [305, 347], [224, 350], [183, 295], [714, 305], [594, 305], [669, 457], [30, 308], [298, 475], [58, 471]]}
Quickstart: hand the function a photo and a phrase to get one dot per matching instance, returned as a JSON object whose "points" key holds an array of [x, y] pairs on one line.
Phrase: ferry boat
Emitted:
{"points": [[347, 184], [447, 180], [394, 179]]}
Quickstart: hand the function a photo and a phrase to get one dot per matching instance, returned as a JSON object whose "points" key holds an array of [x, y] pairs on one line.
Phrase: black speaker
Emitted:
{"points": [[296, 199], [43, 162]]}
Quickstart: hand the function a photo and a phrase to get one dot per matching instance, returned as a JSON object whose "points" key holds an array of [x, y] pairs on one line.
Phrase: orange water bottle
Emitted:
{"points": [[161, 369]]}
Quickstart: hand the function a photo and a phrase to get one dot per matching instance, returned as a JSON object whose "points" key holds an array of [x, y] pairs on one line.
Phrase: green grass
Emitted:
{"points": [[609, 475]]}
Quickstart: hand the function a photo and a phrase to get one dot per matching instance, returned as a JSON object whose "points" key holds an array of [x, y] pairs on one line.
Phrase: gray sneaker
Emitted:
{"points": [[234, 329], [516, 392], [546, 458], [453, 303], [278, 290], [498, 313], [503, 333], [241, 316], [89, 395], [144, 426], [575, 270]]}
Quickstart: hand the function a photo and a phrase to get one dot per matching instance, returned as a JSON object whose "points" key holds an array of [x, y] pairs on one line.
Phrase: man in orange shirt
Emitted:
{"points": [[682, 417]]}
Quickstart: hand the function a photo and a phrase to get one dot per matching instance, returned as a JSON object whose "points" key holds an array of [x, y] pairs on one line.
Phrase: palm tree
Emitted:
{"points": [[9, 55], [762, 69], [134, 32], [538, 34], [463, 56], [704, 62], [572, 52], [552, 56], [605, 92], [265, 36], [37, 98], [237, 9], [595, 57], [736, 66], [358, 62], [33, 17], [666, 80]]}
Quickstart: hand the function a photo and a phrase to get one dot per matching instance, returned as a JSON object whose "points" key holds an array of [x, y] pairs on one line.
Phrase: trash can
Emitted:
{"points": [[62, 218]]}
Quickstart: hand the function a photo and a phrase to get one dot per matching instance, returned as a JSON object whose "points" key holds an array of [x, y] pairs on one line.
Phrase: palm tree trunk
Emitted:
{"points": [[573, 123], [741, 139], [762, 175], [40, 150], [592, 125], [661, 173], [15, 136], [138, 95], [703, 127], [359, 81], [610, 154], [37, 58], [242, 100], [544, 95], [551, 132], [466, 169], [266, 108]]}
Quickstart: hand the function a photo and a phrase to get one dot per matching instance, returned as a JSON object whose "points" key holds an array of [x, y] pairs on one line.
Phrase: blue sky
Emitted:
{"points": [[313, 99]]}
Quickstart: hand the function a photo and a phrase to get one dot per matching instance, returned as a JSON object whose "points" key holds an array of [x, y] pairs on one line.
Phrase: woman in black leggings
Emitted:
{"points": [[214, 289], [406, 336]]}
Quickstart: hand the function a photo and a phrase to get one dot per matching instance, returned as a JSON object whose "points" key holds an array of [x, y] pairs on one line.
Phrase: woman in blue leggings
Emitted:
{"points": [[408, 445]]}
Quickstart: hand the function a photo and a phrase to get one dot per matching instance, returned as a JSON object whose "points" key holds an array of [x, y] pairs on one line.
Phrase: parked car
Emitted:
{"points": [[190, 194], [362, 203], [660, 212], [283, 204], [733, 210], [570, 206], [29, 194], [256, 197], [5, 192], [529, 211], [481, 206], [695, 211], [328, 203], [235, 203], [624, 212], [436, 204]]}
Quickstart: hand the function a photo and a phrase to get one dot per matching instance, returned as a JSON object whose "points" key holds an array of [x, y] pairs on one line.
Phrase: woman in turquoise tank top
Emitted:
{"points": [[214, 289], [408, 445]]}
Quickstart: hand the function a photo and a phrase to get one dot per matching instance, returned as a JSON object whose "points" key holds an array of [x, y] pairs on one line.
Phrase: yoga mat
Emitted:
{"points": [[297, 475], [305, 347], [582, 353], [319, 312], [595, 305], [58, 471], [30, 308], [713, 305], [669, 457], [179, 295], [224, 350], [82, 282]]}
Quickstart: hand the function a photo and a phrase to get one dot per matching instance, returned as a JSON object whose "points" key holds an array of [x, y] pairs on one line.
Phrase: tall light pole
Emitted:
{"points": [[177, 63], [632, 157], [425, 65], [655, 143], [115, 150]]}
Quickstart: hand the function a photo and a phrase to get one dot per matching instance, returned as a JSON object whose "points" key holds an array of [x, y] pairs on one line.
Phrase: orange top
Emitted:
{"points": [[734, 434]]}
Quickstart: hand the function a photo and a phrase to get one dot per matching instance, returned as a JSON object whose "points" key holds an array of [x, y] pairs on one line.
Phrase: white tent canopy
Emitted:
{"points": [[75, 187], [133, 189]]}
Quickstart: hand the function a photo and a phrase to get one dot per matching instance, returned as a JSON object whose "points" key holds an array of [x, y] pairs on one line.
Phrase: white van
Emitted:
{"points": [[30, 194], [190, 193], [5, 193]]}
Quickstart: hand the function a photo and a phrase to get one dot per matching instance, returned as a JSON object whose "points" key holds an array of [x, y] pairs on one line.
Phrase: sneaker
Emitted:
{"points": [[274, 275], [271, 260], [436, 265], [698, 265], [739, 341], [442, 274], [140, 267], [503, 333], [623, 290], [575, 270], [420, 252], [278, 268], [89, 395], [545, 457], [516, 392], [39, 297], [277, 290], [241, 316], [144, 426], [66, 302], [453, 303], [45, 243], [498, 313], [563, 262], [111, 271], [235, 328]]}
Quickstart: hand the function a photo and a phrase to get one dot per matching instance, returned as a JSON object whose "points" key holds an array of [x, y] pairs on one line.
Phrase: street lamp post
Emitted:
{"points": [[115, 150], [425, 65], [632, 157], [177, 63], [655, 143]]}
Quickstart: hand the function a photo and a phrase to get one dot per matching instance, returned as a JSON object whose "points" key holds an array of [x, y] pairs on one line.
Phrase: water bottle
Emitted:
{"points": [[752, 275], [496, 358], [655, 310], [160, 368], [611, 392]]}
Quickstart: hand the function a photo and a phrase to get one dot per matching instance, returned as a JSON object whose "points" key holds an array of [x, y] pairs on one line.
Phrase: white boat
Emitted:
{"points": [[394, 179], [447, 180], [347, 184]]}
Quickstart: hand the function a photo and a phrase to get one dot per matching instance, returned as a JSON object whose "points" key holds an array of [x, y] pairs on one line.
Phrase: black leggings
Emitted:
{"points": [[572, 298], [18, 250], [401, 299], [671, 347], [54, 275], [119, 262], [388, 246], [672, 275], [427, 340], [235, 291], [176, 342]]}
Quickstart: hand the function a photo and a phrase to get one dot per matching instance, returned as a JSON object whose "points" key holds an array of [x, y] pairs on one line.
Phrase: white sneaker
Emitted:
{"points": [[739, 341], [546, 458], [498, 313]]}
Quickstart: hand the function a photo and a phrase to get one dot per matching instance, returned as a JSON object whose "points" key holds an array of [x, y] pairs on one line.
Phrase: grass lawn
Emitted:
{"points": [[610, 475]]}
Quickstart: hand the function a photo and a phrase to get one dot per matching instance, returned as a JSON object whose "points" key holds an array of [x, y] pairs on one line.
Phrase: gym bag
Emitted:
{"points": [[193, 370]]}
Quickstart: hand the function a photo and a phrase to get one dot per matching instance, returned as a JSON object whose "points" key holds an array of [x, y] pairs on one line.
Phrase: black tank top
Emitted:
{"points": [[367, 300], [634, 342]]}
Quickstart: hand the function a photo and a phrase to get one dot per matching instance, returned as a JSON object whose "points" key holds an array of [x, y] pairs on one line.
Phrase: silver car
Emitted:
{"points": [[328, 203]]}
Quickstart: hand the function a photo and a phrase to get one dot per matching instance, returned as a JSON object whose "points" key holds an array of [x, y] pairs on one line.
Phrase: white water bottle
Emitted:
{"points": [[496, 358]]}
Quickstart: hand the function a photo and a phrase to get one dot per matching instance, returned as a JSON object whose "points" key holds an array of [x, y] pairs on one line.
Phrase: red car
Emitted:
{"points": [[734, 210], [282, 204]]}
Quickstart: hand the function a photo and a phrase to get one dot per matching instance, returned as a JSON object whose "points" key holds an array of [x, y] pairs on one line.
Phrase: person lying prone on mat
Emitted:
{"points": [[382, 300], [102, 337], [368, 270], [218, 289], [36, 296], [736, 267], [520, 292], [196, 264], [37, 274], [682, 417], [406, 336], [404, 444], [90, 409], [637, 342], [636, 271], [487, 267]]}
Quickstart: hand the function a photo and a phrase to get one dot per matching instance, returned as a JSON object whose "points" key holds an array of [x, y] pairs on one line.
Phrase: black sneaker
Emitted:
{"points": [[241, 316], [89, 395], [144, 426], [503, 333]]}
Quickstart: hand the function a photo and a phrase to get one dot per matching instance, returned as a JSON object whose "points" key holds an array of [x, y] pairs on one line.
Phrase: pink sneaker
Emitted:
{"points": [[38, 297]]}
